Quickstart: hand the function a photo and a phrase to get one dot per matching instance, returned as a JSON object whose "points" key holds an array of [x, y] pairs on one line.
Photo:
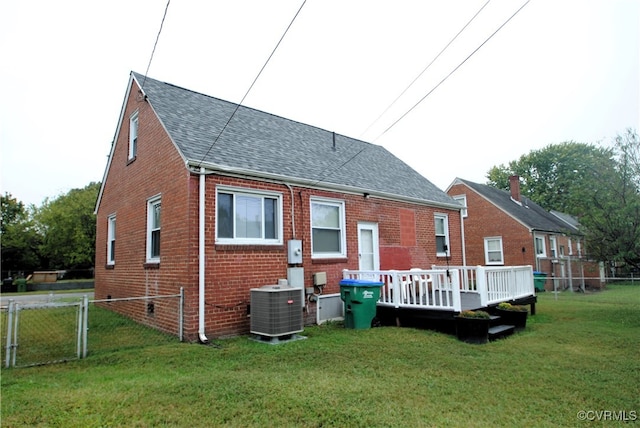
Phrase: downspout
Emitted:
{"points": [[464, 249], [536, 260], [201, 259]]}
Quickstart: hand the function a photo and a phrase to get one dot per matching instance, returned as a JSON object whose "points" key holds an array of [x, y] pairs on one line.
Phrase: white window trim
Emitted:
{"points": [[343, 227], [544, 246], [445, 217], [486, 251], [111, 237], [463, 200], [570, 246], [255, 193], [150, 203], [133, 136]]}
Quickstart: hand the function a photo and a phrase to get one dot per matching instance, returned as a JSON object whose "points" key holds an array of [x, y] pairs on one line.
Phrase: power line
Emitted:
{"points": [[156, 43], [452, 71], [426, 68], [343, 164], [423, 98], [253, 83]]}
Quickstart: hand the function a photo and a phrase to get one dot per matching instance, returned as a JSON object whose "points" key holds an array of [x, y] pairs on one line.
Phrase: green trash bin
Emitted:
{"points": [[21, 285], [360, 297], [539, 278]]}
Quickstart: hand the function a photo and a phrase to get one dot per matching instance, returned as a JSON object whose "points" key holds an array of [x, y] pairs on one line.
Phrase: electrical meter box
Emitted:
{"points": [[295, 252]]}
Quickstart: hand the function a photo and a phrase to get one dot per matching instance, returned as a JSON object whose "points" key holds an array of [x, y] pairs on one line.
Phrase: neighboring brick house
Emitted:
{"points": [[505, 228], [239, 190]]}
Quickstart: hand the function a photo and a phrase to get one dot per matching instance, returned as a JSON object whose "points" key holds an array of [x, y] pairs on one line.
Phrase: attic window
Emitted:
{"points": [[133, 136]]}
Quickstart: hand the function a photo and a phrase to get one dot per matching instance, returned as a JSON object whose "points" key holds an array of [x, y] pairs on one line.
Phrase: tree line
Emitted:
{"points": [[598, 185], [60, 234]]}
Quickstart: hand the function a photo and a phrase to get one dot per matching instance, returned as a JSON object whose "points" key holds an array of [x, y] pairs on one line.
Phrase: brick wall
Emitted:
{"points": [[485, 220], [156, 170], [406, 234]]}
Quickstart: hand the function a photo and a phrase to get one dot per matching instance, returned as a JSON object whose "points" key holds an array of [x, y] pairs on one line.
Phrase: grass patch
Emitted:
{"points": [[579, 353]]}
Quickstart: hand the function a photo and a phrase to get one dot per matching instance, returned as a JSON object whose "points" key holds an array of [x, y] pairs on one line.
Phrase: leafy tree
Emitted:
{"points": [[557, 176], [600, 186], [68, 227], [20, 240], [613, 222]]}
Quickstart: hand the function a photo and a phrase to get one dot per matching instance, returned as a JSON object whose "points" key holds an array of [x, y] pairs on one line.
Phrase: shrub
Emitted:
{"points": [[474, 314], [505, 306]]}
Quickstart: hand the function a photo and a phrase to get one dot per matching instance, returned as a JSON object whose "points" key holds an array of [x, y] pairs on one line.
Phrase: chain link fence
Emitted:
{"points": [[56, 331]]}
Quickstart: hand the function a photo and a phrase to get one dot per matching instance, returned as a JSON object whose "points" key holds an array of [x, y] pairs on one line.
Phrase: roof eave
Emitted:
{"points": [[313, 184]]}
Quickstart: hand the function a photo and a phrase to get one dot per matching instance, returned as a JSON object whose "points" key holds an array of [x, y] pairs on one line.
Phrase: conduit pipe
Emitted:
{"points": [[201, 259], [293, 213]]}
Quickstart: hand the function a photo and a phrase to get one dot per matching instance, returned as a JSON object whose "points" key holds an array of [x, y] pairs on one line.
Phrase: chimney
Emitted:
{"points": [[514, 185]]}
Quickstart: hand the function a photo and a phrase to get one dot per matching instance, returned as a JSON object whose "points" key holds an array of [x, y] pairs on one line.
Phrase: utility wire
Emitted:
{"points": [[253, 83], [339, 167], [155, 44], [452, 71], [425, 69], [459, 65]]}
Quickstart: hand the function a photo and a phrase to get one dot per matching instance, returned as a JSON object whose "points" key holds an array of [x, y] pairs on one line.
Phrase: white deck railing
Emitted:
{"points": [[441, 287], [429, 289]]}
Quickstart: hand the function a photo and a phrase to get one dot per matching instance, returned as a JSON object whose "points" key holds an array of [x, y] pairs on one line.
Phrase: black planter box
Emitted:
{"points": [[518, 319], [472, 330]]}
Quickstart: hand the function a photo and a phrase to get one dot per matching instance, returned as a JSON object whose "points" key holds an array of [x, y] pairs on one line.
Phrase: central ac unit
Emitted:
{"points": [[276, 311]]}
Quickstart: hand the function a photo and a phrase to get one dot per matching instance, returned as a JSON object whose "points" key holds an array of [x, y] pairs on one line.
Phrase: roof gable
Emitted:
{"points": [[526, 212], [260, 144]]}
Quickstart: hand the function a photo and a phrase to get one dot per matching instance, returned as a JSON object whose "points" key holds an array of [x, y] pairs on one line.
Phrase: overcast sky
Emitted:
{"points": [[560, 70]]}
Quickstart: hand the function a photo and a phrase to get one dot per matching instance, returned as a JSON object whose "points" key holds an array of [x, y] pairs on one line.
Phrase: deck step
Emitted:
{"points": [[499, 331], [494, 320]]}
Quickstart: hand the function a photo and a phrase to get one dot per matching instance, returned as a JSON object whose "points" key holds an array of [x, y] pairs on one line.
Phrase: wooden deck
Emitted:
{"points": [[432, 298]]}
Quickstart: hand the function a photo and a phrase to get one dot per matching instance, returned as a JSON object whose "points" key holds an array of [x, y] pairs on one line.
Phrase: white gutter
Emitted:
{"points": [[313, 184], [201, 259]]}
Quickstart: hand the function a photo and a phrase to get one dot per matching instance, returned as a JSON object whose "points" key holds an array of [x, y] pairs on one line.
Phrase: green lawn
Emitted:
{"points": [[581, 352]]}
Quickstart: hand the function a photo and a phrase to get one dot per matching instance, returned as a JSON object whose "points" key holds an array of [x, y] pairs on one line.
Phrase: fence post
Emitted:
{"points": [[16, 325], [9, 348], [181, 314], [85, 324]]}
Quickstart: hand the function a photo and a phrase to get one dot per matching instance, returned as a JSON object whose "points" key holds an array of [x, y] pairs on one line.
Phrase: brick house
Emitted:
{"points": [[506, 228], [219, 199]]}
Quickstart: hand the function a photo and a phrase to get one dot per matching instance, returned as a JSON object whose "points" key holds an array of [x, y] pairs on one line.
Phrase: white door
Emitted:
{"points": [[368, 251]]}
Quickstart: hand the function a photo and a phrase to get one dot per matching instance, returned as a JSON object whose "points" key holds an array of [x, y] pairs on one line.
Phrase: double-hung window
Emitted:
{"points": [[541, 250], [442, 235], [553, 246], [493, 251], [246, 216], [328, 234], [153, 230], [133, 136], [111, 240]]}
